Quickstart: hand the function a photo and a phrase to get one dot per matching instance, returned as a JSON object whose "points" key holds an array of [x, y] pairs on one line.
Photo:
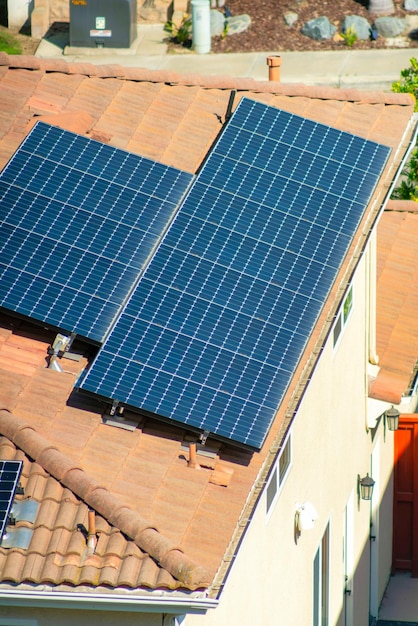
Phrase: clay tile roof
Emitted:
{"points": [[161, 524], [125, 104], [58, 515], [397, 301], [150, 506]]}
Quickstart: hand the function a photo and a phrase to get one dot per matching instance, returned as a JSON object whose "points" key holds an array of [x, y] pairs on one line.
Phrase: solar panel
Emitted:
{"points": [[9, 479], [214, 330], [79, 219]]}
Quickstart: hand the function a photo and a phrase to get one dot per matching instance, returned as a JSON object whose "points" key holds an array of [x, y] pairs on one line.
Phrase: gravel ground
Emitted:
{"points": [[269, 32]]}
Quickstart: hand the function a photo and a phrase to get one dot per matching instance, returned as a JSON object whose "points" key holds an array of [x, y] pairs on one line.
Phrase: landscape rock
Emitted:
{"points": [[217, 4], [357, 23], [238, 23], [217, 23], [411, 5], [319, 28], [390, 26], [290, 17], [381, 7]]}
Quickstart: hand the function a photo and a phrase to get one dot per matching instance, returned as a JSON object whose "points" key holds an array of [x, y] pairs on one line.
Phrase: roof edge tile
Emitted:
{"points": [[146, 537], [401, 206], [205, 82]]}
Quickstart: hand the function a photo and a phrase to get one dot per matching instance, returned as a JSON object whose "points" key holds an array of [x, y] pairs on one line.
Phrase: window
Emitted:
{"points": [[343, 315], [321, 582], [279, 473]]}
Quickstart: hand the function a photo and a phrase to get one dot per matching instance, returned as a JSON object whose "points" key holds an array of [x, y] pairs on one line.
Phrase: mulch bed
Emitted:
{"points": [[269, 32]]}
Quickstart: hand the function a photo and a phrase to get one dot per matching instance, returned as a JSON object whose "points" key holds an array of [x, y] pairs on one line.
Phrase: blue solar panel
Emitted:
{"points": [[9, 479], [79, 220], [214, 330]]}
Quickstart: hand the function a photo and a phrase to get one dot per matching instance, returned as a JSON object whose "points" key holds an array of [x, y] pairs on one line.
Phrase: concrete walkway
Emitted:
{"points": [[361, 69], [400, 602]]}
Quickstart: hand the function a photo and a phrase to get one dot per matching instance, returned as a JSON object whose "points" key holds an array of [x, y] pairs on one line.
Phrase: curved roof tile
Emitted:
{"points": [[147, 538]]}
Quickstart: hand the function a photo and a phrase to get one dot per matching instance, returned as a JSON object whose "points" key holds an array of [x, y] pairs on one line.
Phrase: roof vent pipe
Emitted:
{"points": [[193, 457], [274, 63], [91, 535]]}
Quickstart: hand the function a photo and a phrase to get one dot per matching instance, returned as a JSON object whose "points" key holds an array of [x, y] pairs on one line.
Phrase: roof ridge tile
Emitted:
{"points": [[110, 507], [205, 82]]}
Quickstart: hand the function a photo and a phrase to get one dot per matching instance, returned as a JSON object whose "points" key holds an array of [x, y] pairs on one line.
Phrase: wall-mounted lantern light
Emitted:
{"points": [[365, 487], [392, 418]]}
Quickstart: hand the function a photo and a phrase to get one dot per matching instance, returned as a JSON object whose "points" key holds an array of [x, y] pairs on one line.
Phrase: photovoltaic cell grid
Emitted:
{"points": [[214, 330], [9, 479], [79, 219]]}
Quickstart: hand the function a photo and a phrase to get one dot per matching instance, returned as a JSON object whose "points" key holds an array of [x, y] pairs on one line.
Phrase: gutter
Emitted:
{"points": [[109, 602]]}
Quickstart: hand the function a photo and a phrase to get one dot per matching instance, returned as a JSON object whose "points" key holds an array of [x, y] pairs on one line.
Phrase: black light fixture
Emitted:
{"points": [[365, 487], [392, 418]]}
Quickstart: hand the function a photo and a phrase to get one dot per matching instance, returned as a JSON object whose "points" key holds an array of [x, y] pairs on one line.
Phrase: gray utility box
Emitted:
{"points": [[102, 23]]}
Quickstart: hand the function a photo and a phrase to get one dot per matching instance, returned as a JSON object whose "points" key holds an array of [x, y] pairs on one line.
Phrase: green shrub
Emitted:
{"points": [[350, 36], [181, 33], [408, 188], [408, 82], [9, 44]]}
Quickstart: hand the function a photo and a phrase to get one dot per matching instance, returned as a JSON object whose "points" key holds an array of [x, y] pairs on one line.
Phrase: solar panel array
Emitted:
{"points": [[215, 328], [9, 479], [79, 219]]}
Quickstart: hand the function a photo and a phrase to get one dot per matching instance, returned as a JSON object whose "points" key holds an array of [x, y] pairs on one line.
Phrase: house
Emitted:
{"points": [[122, 512], [397, 276]]}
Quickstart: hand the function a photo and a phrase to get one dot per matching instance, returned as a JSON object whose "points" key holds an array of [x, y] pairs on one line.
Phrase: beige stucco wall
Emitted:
{"points": [[271, 580]]}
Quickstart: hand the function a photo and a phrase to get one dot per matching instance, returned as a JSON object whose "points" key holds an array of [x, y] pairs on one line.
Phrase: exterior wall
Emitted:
{"points": [[65, 617], [273, 573]]}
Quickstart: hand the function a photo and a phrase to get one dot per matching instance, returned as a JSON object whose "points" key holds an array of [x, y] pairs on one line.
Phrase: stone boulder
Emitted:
{"points": [[319, 28], [390, 26], [217, 23], [359, 24], [290, 17], [411, 5], [237, 24], [381, 7]]}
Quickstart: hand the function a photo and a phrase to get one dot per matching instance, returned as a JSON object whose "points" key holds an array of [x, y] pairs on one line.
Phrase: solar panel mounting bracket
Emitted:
{"points": [[116, 408], [203, 437]]}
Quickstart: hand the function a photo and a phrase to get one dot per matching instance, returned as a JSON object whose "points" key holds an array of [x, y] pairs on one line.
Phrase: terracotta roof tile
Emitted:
{"points": [[146, 537], [12, 565], [150, 506], [397, 301]]}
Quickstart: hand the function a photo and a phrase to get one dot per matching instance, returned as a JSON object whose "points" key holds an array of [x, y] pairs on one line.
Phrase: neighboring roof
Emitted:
{"points": [[397, 301], [179, 526]]}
